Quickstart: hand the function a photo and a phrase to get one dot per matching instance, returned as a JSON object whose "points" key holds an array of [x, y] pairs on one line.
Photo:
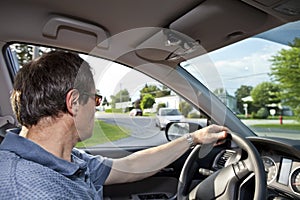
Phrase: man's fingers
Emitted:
{"points": [[222, 134], [221, 137]]}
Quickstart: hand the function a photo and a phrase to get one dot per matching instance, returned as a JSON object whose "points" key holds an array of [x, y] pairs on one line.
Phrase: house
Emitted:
{"points": [[171, 101], [227, 99]]}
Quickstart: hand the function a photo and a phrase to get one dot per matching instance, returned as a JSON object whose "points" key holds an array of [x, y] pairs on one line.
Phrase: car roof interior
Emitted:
{"points": [[129, 31]]}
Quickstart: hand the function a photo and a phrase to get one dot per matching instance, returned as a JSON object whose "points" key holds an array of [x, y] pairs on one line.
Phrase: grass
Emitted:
{"points": [[284, 117], [279, 126], [149, 114], [269, 117], [103, 133]]}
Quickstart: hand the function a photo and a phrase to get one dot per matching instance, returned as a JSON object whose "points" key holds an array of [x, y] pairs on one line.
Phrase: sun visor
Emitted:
{"points": [[215, 23], [168, 45]]}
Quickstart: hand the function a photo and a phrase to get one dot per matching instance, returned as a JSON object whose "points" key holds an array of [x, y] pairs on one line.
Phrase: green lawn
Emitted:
{"points": [[279, 126], [240, 116], [103, 133]]}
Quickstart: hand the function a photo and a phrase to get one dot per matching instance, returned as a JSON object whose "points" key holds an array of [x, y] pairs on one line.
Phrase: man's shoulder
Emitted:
{"points": [[17, 172], [16, 167], [39, 181]]}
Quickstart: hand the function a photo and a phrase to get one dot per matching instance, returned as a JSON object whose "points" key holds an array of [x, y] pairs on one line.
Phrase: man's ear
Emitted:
{"points": [[72, 101]]}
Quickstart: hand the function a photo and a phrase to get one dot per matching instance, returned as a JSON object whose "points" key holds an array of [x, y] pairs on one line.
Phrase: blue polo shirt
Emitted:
{"points": [[27, 171]]}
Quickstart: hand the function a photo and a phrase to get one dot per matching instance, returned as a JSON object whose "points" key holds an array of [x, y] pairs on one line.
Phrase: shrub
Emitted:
{"points": [[262, 113], [194, 115], [114, 110]]}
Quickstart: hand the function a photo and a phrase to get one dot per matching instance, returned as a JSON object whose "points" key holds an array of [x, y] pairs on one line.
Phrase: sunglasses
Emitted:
{"points": [[98, 97]]}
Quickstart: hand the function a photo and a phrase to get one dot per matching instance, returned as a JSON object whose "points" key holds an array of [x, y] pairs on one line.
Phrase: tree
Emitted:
{"points": [[241, 92], [155, 91], [121, 96], [149, 89], [265, 93], [147, 101], [26, 53], [286, 71], [105, 102], [149, 93], [163, 93], [185, 108]]}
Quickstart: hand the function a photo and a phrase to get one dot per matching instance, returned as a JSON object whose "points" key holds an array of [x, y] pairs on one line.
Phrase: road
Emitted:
{"points": [[143, 129], [145, 133]]}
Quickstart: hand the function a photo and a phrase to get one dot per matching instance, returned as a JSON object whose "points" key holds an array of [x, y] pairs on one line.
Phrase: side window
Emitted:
{"points": [[127, 115]]}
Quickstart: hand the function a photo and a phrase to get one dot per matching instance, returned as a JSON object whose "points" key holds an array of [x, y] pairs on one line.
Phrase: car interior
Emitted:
{"points": [[155, 38]]}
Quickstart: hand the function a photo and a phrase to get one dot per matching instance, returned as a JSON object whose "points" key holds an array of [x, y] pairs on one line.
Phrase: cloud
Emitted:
{"points": [[244, 63], [249, 70]]}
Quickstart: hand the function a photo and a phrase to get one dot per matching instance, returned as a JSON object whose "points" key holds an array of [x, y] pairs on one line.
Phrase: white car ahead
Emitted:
{"points": [[166, 115]]}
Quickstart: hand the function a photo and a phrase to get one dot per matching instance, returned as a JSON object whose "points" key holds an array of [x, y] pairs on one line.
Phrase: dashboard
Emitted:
{"points": [[281, 159]]}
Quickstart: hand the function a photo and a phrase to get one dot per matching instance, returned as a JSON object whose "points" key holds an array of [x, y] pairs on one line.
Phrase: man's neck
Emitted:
{"points": [[57, 136]]}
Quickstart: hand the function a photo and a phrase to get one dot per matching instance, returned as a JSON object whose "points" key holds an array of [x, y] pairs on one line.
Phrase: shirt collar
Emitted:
{"points": [[31, 151]]}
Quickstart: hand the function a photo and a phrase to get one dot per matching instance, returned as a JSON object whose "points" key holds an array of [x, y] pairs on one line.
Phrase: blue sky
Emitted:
{"points": [[244, 63], [250, 61]]}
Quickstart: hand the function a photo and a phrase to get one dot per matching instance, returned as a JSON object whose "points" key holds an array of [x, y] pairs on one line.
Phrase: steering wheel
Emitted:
{"points": [[224, 183]]}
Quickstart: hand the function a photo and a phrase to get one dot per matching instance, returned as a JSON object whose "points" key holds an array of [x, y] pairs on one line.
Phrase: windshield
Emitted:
{"points": [[170, 112], [258, 79]]}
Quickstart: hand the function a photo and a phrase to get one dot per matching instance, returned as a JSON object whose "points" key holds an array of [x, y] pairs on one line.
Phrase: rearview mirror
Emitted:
{"points": [[175, 130]]}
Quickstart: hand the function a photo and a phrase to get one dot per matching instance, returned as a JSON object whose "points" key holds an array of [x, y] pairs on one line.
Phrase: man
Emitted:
{"points": [[54, 101]]}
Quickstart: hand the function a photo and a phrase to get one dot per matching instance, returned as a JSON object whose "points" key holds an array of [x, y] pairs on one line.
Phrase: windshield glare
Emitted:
{"points": [[258, 80]]}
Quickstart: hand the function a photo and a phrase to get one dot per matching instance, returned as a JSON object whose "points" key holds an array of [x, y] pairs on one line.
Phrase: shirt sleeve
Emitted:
{"points": [[99, 167]]}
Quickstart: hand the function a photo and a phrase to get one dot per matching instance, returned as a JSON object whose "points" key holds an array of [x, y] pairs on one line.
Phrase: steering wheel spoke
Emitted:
{"points": [[224, 183], [242, 168], [220, 183]]}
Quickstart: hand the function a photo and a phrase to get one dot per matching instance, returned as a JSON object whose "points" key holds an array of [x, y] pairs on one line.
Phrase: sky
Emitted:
{"points": [[248, 62], [244, 63], [110, 78]]}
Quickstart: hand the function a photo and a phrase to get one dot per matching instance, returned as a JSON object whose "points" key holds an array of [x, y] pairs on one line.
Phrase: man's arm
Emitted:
{"points": [[147, 162]]}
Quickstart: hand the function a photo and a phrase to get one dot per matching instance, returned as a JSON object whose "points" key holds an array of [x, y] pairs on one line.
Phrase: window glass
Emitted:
{"points": [[258, 79], [127, 114]]}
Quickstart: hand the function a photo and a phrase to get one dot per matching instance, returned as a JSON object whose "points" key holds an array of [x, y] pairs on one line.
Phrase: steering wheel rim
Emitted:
{"points": [[253, 162]]}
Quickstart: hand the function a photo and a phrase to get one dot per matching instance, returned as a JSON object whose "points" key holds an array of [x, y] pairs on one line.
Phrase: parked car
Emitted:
{"points": [[167, 115], [136, 112], [210, 53]]}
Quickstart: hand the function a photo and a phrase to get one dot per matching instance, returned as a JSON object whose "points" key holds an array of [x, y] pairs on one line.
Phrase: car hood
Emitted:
{"points": [[173, 117]]}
